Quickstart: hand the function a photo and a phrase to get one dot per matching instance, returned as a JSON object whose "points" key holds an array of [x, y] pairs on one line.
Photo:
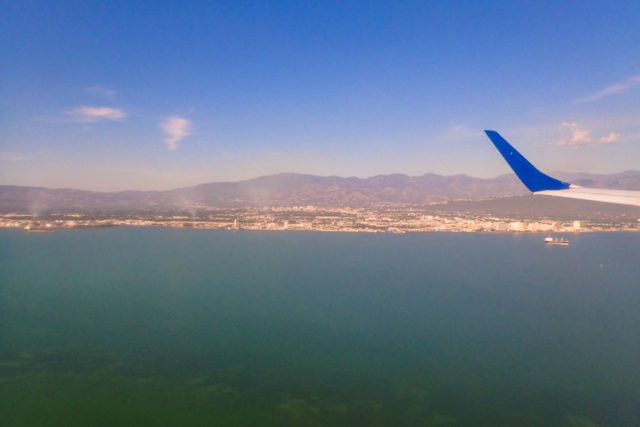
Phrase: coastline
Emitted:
{"points": [[346, 220]]}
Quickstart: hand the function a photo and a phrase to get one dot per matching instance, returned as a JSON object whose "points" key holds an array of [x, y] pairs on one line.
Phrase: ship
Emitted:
{"points": [[558, 241]]}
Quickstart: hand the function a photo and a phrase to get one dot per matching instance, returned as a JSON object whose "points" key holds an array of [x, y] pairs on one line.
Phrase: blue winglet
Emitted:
{"points": [[530, 176]]}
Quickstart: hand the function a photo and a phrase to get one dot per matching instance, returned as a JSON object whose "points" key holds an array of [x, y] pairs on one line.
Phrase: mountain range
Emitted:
{"points": [[287, 190]]}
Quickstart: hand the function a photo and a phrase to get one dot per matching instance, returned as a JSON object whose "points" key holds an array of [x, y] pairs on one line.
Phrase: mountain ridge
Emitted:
{"points": [[293, 189]]}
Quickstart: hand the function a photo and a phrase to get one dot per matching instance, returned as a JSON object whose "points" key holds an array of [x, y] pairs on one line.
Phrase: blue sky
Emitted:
{"points": [[120, 95]]}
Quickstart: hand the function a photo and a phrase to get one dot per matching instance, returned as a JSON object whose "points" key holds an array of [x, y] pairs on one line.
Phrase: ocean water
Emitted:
{"points": [[168, 327]]}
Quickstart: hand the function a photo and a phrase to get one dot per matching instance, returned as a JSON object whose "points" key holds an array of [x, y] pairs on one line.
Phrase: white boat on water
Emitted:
{"points": [[558, 241]]}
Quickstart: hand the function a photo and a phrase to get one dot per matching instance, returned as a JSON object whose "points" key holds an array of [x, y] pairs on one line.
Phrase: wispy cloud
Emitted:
{"points": [[458, 132], [101, 92], [176, 129], [609, 139], [9, 157], [94, 114], [574, 134], [614, 89]]}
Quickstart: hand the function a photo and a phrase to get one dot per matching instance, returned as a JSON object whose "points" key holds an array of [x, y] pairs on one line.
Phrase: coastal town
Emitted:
{"points": [[312, 218]]}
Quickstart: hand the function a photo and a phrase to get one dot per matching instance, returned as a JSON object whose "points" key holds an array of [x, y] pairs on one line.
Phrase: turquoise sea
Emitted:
{"points": [[166, 327]]}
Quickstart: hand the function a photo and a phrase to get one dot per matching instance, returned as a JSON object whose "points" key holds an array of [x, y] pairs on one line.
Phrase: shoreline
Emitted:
{"points": [[500, 228], [348, 220]]}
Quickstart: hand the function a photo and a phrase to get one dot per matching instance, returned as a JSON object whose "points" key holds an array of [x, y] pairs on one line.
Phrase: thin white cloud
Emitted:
{"points": [[94, 114], [458, 132], [101, 92], [609, 139], [9, 157], [176, 128], [574, 134], [614, 89]]}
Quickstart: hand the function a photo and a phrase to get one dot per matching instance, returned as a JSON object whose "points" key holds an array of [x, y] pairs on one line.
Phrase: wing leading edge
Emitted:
{"points": [[540, 183]]}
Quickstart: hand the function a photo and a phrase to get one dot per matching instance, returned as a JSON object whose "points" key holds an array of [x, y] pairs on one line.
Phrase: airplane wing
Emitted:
{"points": [[540, 183]]}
